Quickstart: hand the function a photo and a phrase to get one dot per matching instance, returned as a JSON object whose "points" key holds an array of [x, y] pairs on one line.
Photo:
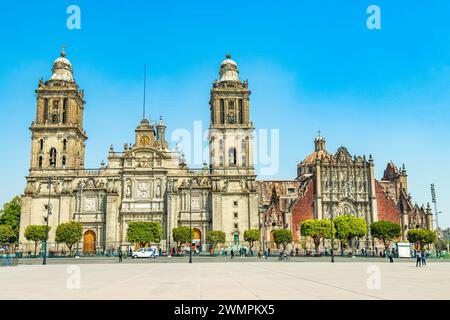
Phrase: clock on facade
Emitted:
{"points": [[144, 140]]}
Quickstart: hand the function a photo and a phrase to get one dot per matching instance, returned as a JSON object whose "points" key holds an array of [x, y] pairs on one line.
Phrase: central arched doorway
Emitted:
{"points": [[196, 238], [272, 241], [89, 242]]}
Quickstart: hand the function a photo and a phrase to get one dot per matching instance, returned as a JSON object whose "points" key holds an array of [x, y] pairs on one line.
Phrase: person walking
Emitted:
{"points": [[418, 259], [391, 257], [424, 258], [232, 253], [120, 256], [259, 254]]}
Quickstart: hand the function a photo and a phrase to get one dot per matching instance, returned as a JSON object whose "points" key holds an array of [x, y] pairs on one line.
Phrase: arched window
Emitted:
{"points": [[41, 145], [232, 156], [64, 144], [40, 161], [63, 162], [64, 113], [45, 110], [213, 116], [52, 157], [222, 111], [220, 160], [241, 111]]}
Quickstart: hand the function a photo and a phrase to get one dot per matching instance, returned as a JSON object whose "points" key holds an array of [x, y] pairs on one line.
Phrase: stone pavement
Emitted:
{"points": [[221, 280]]}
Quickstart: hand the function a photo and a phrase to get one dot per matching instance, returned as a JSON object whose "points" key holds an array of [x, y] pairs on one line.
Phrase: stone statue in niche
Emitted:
{"points": [[128, 192], [158, 190]]}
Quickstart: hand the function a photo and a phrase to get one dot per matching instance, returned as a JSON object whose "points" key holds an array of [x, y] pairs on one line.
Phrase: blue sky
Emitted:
{"points": [[310, 65]]}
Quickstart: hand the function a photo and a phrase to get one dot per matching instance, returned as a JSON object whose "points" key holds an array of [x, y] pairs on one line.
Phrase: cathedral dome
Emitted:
{"points": [[229, 70], [62, 68], [319, 151]]}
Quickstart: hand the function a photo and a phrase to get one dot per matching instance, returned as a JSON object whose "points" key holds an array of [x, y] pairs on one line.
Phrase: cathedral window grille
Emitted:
{"points": [[41, 145], [64, 114], [241, 111], [222, 111], [45, 110], [63, 162], [244, 161], [52, 157], [40, 162], [64, 144], [232, 156], [221, 160]]}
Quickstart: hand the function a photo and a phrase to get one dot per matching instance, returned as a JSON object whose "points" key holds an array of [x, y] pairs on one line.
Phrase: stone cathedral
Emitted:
{"points": [[148, 181]]}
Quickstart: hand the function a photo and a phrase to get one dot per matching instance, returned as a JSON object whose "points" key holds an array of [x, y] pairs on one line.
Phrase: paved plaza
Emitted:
{"points": [[248, 279]]}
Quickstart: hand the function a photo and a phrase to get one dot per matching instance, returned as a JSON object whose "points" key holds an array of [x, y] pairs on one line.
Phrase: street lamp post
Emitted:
{"points": [[79, 196], [331, 213], [332, 240], [49, 212], [190, 220]]}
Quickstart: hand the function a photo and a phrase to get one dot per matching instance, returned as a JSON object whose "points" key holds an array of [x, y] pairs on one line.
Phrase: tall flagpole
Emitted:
{"points": [[145, 82]]}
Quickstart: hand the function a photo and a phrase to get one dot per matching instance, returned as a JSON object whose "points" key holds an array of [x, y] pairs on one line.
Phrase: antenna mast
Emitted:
{"points": [[145, 82]]}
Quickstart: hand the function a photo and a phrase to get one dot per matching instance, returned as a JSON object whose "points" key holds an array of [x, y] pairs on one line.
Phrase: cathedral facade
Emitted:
{"points": [[148, 181]]}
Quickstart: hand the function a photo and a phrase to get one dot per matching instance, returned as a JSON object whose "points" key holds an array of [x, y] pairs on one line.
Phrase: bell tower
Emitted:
{"points": [[231, 130], [234, 196], [57, 134]]}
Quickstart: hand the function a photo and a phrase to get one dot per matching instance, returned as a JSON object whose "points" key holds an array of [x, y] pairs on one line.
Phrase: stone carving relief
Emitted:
{"points": [[195, 202], [90, 204], [143, 190]]}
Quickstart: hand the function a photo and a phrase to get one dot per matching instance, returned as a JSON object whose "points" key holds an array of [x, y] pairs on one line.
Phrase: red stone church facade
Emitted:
{"points": [[328, 185]]}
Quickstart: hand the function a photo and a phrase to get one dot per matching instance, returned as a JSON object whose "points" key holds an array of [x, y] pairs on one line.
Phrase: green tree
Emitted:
{"points": [[251, 236], [421, 237], [10, 215], [385, 231], [6, 233], [144, 232], [282, 237], [69, 233], [317, 230], [181, 235], [349, 227], [215, 237], [36, 234]]}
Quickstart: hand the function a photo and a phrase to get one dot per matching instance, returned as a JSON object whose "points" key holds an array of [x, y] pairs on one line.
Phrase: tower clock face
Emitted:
{"points": [[144, 140]]}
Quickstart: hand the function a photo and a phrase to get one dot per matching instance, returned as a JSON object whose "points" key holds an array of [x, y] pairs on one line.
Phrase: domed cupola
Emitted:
{"points": [[62, 68], [229, 70]]}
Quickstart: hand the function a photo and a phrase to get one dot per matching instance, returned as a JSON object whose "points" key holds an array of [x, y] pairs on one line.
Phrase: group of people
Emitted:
{"points": [[421, 258]]}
